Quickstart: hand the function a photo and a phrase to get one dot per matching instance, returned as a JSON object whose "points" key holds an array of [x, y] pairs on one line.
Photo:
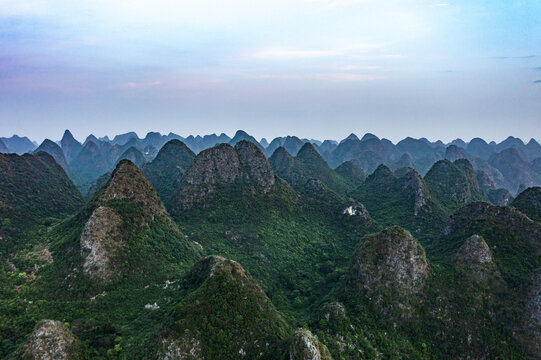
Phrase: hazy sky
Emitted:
{"points": [[312, 68]]}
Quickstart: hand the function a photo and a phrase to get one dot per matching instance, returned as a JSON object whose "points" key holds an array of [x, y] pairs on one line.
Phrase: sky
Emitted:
{"points": [[313, 68]]}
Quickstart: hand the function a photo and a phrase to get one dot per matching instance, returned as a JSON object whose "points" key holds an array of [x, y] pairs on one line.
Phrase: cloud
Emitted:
{"points": [[515, 57], [329, 77], [133, 84], [347, 49], [356, 68], [290, 54]]}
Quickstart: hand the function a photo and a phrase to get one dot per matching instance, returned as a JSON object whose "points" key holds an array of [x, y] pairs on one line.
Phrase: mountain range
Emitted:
{"points": [[511, 165], [229, 248]]}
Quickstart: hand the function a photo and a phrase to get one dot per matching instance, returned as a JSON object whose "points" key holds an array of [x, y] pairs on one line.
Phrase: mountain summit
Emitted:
{"points": [[244, 165]]}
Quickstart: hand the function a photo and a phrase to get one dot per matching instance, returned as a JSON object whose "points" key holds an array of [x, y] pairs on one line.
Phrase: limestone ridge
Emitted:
{"points": [[51, 340], [391, 259], [306, 346], [244, 165]]}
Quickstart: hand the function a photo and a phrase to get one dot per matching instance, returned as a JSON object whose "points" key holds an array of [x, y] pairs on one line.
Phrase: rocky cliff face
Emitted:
{"points": [[306, 346], [244, 165], [391, 260], [51, 340], [100, 241]]}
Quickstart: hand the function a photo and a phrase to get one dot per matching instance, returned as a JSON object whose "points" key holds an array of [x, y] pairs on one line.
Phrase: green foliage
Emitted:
{"points": [[297, 244], [390, 200], [34, 191], [167, 169], [229, 313], [453, 185], [529, 202], [309, 165]]}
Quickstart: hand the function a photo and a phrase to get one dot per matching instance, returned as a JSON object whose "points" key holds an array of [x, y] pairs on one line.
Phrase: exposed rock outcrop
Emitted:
{"points": [[51, 340], [99, 242], [390, 260], [333, 312], [357, 209], [475, 259], [306, 346]]}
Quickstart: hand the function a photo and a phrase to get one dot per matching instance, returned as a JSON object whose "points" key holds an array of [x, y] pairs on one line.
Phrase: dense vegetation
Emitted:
{"points": [[234, 274]]}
